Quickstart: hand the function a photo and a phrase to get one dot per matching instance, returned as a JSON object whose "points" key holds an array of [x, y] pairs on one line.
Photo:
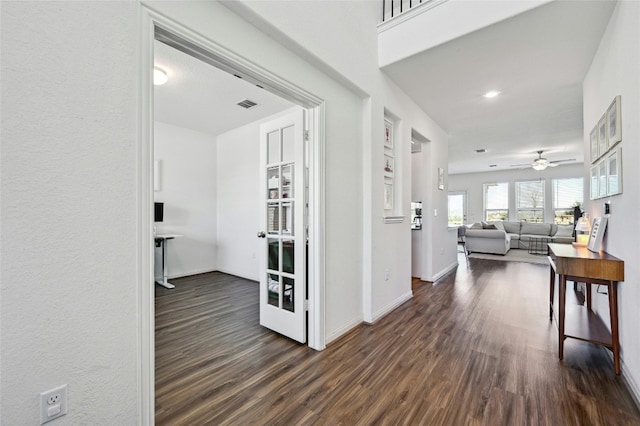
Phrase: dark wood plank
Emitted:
{"points": [[475, 348]]}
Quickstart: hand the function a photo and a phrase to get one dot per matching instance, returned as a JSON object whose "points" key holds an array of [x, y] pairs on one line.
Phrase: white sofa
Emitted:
{"points": [[499, 237]]}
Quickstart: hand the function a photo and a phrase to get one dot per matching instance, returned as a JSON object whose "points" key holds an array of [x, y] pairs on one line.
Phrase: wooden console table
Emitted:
{"points": [[581, 265]]}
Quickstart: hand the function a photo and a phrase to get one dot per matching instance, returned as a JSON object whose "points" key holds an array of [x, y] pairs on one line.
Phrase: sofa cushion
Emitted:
{"points": [[487, 225], [512, 227], [476, 225], [535, 228], [564, 231], [498, 225]]}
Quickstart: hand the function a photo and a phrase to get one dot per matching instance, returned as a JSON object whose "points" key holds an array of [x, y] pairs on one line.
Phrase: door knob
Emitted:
{"points": [[261, 234]]}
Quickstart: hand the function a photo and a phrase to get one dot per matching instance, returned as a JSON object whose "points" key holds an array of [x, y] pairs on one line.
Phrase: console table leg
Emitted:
{"points": [[552, 283], [613, 312], [562, 294]]}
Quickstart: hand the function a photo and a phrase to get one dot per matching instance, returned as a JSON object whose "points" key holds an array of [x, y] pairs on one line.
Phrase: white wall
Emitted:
{"points": [[238, 177], [352, 25], [188, 189], [69, 309], [615, 71], [446, 21], [472, 184]]}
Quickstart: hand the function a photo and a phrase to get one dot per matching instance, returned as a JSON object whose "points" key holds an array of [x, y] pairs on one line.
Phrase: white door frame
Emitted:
{"points": [[231, 62]]}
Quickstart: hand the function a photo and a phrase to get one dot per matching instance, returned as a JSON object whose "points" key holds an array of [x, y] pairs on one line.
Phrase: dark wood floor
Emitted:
{"points": [[476, 348]]}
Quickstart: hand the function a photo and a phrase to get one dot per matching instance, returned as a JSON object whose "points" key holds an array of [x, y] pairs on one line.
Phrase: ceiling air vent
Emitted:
{"points": [[481, 151], [246, 103]]}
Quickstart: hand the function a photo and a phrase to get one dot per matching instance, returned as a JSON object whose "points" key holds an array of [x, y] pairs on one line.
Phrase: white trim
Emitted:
{"points": [[250, 71], [409, 14], [442, 273], [343, 330], [393, 219], [385, 310], [146, 247], [628, 380]]}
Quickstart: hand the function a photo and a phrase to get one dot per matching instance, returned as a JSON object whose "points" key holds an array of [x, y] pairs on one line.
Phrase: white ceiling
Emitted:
{"points": [[201, 97], [538, 61]]}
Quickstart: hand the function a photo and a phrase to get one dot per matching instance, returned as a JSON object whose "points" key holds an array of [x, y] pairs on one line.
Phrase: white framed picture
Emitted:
{"points": [[388, 196], [602, 178], [594, 182], [614, 124], [593, 143], [440, 178], [388, 133], [602, 135], [598, 227], [614, 172], [389, 165]]}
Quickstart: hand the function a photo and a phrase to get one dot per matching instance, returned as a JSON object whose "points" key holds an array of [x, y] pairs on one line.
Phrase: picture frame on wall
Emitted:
{"points": [[598, 227], [389, 166], [440, 178], [614, 172], [594, 182], [602, 135], [388, 196], [593, 138], [602, 178], [614, 124], [388, 133]]}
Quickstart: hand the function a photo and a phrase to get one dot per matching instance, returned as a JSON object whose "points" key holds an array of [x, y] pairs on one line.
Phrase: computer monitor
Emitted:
{"points": [[158, 213]]}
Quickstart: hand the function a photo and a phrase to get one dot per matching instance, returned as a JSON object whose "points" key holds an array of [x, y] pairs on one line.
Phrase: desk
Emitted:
{"points": [[161, 241], [582, 265]]}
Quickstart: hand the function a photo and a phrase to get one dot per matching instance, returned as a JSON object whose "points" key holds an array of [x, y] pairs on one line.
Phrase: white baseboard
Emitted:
{"points": [[631, 384], [342, 330], [390, 307], [238, 274], [442, 273]]}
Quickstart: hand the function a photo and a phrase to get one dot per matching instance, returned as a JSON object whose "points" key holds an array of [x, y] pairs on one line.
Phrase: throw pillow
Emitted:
{"points": [[564, 231], [489, 226], [499, 225], [476, 225]]}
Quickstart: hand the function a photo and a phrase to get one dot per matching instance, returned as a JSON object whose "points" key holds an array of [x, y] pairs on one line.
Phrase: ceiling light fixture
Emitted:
{"points": [[159, 76], [491, 94]]}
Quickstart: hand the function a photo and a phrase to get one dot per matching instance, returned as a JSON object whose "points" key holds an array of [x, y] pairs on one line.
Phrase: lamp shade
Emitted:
{"points": [[583, 225]]}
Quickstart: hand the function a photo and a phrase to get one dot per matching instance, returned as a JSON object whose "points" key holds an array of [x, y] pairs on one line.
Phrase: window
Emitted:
{"points": [[567, 194], [496, 201], [457, 208], [530, 201]]}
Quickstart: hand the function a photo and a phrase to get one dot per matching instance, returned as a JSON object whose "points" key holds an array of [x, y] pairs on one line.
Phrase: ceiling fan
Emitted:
{"points": [[542, 163]]}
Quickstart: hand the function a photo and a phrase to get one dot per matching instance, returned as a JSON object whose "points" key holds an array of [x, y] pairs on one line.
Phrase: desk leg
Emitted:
{"points": [[562, 295], [613, 312], [587, 287], [165, 281], [552, 285]]}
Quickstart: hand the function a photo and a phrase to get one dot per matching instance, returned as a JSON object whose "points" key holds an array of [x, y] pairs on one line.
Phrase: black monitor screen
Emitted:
{"points": [[158, 214]]}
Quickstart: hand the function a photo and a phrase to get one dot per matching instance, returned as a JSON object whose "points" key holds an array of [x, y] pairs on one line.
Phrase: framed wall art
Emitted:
{"points": [[602, 178], [598, 227], [614, 172], [593, 143], [388, 133], [602, 135], [388, 196], [388, 165], [594, 182], [614, 124], [440, 178]]}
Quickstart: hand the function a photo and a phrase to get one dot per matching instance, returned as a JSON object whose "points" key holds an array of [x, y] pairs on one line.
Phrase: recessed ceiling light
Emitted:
{"points": [[491, 94], [159, 76]]}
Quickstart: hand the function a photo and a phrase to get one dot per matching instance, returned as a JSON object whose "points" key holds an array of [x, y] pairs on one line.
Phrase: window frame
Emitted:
{"points": [[485, 210], [464, 207], [554, 208], [531, 209]]}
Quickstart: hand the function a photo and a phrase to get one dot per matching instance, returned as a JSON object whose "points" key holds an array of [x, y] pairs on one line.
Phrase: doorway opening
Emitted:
{"points": [[187, 42]]}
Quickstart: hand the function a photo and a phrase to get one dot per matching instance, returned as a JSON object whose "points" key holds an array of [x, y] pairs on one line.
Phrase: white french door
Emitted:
{"points": [[283, 226]]}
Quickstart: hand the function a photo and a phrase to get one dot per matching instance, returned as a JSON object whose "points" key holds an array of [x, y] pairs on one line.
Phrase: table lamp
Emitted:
{"points": [[583, 228]]}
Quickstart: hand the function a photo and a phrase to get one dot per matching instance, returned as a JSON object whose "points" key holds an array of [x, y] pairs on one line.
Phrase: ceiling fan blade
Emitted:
{"points": [[520, 165], [552, 164], [563, 161]]}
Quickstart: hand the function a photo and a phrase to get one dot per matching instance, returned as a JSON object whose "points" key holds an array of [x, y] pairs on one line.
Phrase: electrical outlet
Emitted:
{"points": [[53, 404]]}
